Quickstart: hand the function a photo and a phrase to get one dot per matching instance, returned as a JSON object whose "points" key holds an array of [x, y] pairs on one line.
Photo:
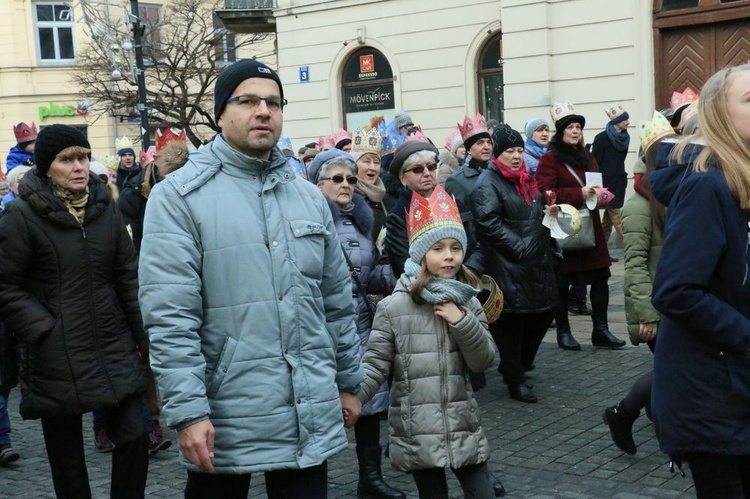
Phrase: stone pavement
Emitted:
{"points": [[556, 448]]}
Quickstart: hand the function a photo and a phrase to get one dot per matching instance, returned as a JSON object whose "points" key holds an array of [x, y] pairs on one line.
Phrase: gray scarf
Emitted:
{"points": [[439, 290]]}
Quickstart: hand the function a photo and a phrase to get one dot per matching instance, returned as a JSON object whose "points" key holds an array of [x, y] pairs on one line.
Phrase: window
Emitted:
{"points": [[150, 16], [225, 43], [367, 88], [54, 32], [490, 79]]}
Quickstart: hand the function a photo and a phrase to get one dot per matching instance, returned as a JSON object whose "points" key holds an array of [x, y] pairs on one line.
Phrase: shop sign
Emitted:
{"points": [[367, 64], [62, 110], [370, 98]]}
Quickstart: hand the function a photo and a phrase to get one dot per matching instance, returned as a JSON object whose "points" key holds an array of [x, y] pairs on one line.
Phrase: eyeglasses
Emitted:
{"points": [[337, 179], [419, 170], [250, 102]]}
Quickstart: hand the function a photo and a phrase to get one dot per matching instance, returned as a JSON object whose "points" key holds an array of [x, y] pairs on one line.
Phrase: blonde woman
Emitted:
{"points": [[701, 390]]}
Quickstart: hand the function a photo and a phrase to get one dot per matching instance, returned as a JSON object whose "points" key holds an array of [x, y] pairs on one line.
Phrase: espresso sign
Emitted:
{"points": [[367, 64], [370, 98]]}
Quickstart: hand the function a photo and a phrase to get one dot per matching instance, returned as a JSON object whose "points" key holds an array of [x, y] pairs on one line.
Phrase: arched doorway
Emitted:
{"points": [[367, 88], [490, 79], [695, 38]]}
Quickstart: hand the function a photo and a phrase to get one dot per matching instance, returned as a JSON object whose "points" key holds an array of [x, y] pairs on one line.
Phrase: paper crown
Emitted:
{"points": [[417, 136], [24, 133], [452, 138], [123, 143], [651, 131], [326, 142], [604, 196], [392, 138], [614, 111], [168, 135], [471, 127], [688, 96], [146, 157], [340, 135], [560, 110], [367, 141], [440, 210], [284, 143], [111, 161]]}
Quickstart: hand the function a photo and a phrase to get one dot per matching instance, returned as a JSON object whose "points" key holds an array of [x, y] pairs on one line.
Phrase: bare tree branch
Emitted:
{"points": [[180, 69]]}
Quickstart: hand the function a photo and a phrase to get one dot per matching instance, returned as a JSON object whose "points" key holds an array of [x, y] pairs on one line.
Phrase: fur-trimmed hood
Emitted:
{"points": [[361, 215], [172, 157]]}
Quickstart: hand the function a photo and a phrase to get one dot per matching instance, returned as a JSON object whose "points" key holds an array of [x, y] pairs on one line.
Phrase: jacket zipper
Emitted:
{"points": [[443, 353]]}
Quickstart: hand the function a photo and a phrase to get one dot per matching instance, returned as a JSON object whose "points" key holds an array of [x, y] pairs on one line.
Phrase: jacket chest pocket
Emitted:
{"points": [[308, 246]]}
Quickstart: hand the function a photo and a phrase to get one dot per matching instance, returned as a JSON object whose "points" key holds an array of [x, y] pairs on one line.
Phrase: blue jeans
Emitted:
{"points": [[4, 419]]}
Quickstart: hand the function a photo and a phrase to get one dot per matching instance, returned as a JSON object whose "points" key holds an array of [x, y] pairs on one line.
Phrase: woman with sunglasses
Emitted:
{"points": [[335, 173]]}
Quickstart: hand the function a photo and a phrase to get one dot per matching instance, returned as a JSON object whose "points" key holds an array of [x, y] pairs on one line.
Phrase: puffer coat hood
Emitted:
{"points": [[669, 173]]}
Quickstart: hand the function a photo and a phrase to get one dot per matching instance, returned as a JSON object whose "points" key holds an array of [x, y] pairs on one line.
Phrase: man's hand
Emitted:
{"points": [[197, 444], [448, 311], [351, 406]]}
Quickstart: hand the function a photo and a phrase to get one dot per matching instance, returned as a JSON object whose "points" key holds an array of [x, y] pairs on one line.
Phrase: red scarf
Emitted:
{"points": [[525, 183]]}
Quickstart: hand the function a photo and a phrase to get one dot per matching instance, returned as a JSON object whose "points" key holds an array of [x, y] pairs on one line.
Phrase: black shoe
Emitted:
{"points": [[531, 367], [603, 338], [621, 429], [522, 393], [497, 486], [566, 341], [371, 484], [8, 455]]}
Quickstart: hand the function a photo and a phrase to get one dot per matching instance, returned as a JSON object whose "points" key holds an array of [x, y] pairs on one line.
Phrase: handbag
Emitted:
{"points": [[354, 271], [585, 238]]}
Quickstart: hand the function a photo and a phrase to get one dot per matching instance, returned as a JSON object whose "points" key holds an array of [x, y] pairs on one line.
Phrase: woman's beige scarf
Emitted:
{"points": [[374, 192], [75, 202]]}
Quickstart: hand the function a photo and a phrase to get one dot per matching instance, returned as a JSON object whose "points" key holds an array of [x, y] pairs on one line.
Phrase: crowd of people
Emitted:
{"points": [[394, 275]]}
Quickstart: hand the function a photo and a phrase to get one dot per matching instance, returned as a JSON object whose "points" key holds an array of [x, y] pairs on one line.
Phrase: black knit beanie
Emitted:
{"points": [[233, 75], [52, 140], [503, 138], [470, 141], [405, 150]]}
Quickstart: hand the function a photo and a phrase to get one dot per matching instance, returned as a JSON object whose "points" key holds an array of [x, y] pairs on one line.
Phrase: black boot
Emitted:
{"points": [[522, 393], [621, 429], [497, 486], [601, 336], [371, 484], [566, 341]]}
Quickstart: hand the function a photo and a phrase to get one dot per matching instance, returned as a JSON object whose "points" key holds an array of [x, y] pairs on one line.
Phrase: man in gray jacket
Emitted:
{"points": [[246, 297]]}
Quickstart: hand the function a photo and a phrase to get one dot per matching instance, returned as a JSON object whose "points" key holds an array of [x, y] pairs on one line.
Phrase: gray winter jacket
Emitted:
{"points": [[434, 418], [246, 297]]}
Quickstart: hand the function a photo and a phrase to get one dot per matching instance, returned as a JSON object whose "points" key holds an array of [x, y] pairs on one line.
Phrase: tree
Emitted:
{"points": [[185, 49]]}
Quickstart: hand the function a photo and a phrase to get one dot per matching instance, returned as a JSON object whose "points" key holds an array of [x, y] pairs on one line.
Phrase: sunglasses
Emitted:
{"points": [[337, 179], [419, 170]]}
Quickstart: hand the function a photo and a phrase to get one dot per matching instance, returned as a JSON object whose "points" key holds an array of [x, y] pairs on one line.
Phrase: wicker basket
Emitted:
{"points": [[493, 306]]}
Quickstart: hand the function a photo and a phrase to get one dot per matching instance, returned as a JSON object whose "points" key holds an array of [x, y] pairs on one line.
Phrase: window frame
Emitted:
{"points": [[482, 73], [55, 25], [147, 42]]}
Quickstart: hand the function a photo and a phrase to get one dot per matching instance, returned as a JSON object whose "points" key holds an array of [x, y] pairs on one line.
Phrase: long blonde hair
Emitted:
{"points": [[464, 275], [723, 143]]}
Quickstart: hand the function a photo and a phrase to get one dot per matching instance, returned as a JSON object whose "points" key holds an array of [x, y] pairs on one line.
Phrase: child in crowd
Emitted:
{"points": [[428, 334]]}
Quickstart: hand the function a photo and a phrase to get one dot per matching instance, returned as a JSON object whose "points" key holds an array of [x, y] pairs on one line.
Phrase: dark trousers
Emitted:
{"points": [[715, 476], [599, 304], [367, 431], [307, 483], [518, 337], [63, 437], [475, 480]]}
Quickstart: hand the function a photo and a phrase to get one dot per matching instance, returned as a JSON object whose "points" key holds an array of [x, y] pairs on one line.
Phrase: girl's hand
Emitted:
{"points": [[648, 331], [449, 311]]}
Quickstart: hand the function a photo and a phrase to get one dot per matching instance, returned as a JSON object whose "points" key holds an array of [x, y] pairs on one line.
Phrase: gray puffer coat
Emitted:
{"points": [[434, 418], [353, 231]]}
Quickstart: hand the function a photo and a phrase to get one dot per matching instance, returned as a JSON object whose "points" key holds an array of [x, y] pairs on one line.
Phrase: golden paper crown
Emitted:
{"points": [[688, 96], [614, 111], [368, 141], [111, 161], [440, 210], [651, 131], [471, 127], [147, 156], [560, 110], [123, 143], [162, 137]]}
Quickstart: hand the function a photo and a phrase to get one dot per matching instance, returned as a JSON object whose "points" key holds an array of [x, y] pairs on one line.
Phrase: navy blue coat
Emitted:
{"points": [[701, 389]]}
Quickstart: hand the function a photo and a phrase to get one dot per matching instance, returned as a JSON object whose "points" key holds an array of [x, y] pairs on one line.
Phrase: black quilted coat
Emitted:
{"points": [[69, 292]]}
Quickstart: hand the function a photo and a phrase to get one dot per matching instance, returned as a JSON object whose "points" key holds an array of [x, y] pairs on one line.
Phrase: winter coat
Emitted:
{"points": [[247, 298], [434, 419], [531, 157], [552, 175], [701, 389], [8, 359], [643, 244], [69, 293], [396, 235], [460, 185], [515, 243], [447, 164], [123, 175], [611, 163], [380, 210], [353, 232], [17, 156]]}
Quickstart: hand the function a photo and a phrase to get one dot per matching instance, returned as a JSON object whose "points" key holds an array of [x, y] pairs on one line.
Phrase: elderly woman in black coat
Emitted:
{"points": [[508, 210], [70, 294]]}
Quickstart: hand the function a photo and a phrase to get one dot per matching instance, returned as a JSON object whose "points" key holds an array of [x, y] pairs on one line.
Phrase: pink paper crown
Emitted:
{"points": [[417, 136], [24, 132], [326, 142], [472, 127], [453, 136], [147, 156], [688, 96], [163, 137], [340, 135]]}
